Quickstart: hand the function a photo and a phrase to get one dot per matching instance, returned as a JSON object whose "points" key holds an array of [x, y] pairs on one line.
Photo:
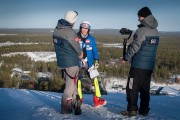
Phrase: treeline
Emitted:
{"points": [[42, 42], [21, 37], [27, 48], [167, 61], [55, 83]]}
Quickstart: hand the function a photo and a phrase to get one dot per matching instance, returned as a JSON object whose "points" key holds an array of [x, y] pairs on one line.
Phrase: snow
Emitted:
{"points": [[115, 45], [155, 87], [35, 56], [22, 104], [169, 91], [8, 43], [17, 70], [7, 34], [41, 74]]}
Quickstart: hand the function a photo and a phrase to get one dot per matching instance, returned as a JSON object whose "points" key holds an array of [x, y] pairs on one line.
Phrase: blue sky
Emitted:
{"points": [[101, 13]]}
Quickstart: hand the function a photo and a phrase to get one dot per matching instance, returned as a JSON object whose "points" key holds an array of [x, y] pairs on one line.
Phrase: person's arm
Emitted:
{"points": [[94, 49], [74, 42], [81, 56], [95, 53], [134, 47]]}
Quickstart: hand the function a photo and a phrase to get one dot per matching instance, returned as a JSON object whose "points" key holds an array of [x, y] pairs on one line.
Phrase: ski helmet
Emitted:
{"points": [[85, 24]]}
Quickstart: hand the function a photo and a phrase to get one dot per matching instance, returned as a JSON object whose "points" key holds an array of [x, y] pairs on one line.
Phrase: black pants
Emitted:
{"points": [[138, 82]]}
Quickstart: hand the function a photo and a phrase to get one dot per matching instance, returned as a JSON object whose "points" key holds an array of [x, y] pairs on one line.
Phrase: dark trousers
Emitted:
{"points": [[138, 82]]}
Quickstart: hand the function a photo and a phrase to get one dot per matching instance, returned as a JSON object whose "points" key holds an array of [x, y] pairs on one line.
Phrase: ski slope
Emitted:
{"points": [[21, 104]]}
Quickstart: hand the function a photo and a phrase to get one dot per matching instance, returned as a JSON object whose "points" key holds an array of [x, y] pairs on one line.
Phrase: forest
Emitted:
{"points": [[167, 60]]}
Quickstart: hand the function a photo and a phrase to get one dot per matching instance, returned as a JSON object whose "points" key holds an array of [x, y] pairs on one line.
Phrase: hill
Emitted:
{"points": [[22, 104]]}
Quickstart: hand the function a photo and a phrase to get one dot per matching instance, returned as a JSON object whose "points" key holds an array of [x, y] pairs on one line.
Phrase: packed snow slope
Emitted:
{"points": [[21, 104]]}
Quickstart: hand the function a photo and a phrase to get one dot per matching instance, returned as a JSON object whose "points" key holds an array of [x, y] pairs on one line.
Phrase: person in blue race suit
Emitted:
{"points": [[90, 58]]}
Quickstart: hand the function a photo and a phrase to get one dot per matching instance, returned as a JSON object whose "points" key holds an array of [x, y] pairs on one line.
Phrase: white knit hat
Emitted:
{"points": [[71, 16]]}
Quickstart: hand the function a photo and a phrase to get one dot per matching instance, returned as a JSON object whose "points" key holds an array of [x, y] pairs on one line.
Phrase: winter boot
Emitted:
{"points": [[143, 114], [143, 111], [77, 106], [129, 113], [98, 102]]}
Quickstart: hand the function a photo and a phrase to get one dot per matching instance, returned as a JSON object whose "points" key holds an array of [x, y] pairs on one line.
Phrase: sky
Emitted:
{"points": [[102, 14]]}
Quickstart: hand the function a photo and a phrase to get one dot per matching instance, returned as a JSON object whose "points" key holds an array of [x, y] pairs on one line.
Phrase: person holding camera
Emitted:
{"points": [[90, 58], [141, 53], [68, 53]]}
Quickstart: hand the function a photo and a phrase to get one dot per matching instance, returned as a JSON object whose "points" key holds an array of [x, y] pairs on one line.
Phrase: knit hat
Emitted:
{"points": [[71, 16], [144, 12]]}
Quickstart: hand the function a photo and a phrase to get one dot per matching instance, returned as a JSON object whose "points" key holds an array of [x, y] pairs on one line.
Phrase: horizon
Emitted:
{"points": [[75, 29]]}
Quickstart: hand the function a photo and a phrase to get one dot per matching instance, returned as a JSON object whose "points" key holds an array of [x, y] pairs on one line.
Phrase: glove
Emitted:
{"points": [[84, 62], [96, 64]]}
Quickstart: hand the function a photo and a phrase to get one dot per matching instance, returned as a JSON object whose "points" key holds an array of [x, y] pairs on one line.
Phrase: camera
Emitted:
{"points": [[125, 31]]}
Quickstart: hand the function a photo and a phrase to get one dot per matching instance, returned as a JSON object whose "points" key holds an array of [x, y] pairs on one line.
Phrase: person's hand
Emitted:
{"points": [[83, 61], [81, 56], [96, 64], [122, 61]]}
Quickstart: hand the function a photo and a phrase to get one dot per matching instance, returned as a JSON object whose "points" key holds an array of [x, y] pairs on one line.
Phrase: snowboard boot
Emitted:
{"points": [[98, 102], [129, 113], [77, 106]]}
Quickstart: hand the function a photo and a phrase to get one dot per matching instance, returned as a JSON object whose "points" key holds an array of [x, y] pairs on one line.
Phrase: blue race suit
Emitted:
{"points": [[91, 51]]}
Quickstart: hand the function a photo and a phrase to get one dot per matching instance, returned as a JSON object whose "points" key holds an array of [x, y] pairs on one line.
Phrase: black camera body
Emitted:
{"points": [[125, 31]]}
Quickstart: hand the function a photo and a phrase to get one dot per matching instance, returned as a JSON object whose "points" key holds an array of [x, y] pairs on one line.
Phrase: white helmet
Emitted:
{"points": [[85, 24]]}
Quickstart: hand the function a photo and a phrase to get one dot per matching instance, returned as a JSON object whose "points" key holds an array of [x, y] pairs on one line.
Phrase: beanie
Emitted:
{"points": [[71, 16], [144, 12]]}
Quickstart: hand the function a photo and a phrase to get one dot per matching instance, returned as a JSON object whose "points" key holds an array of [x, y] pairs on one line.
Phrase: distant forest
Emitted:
{"points": [[167, 61]]}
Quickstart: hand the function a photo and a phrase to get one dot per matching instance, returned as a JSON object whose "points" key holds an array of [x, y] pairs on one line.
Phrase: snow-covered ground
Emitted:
{"points": [[112, 82], [8, 43], [35, 56], [115, 45], [1, 34], [21, 104], [11, 43]]}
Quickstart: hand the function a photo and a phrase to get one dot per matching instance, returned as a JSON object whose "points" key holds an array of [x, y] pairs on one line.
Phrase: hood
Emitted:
{"points": [[63, 24], [150, 22]]}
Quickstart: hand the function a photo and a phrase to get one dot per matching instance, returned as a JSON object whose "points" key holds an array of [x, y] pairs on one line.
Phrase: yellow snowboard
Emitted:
{"points": [[79, 89], [96, 85]]}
